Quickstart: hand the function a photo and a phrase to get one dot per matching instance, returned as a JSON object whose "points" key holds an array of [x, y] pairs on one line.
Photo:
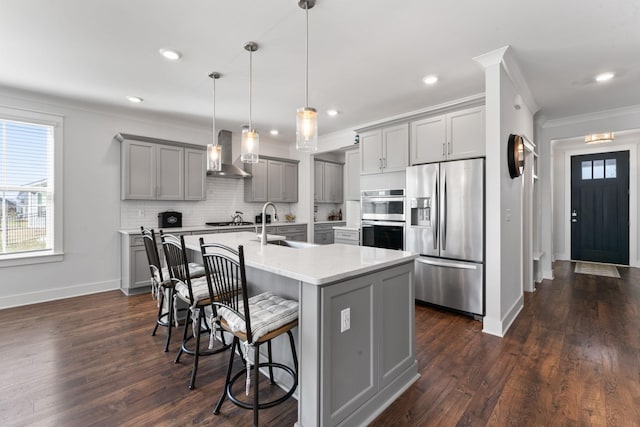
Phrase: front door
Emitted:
{"points": [[600, 207]]}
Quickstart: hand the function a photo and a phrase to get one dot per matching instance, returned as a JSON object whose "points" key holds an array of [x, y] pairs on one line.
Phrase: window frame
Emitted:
{"points": [[56, 121]]}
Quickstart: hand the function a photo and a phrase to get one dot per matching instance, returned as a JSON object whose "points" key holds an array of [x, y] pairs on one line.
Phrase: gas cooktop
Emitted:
{"points": [[228, 223]]}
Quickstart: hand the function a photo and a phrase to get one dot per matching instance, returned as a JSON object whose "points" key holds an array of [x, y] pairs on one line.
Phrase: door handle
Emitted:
{"points": [[436, 214]]}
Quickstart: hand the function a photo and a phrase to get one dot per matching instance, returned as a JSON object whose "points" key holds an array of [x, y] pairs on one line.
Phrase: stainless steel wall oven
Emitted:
{"points": [[383, 218]]}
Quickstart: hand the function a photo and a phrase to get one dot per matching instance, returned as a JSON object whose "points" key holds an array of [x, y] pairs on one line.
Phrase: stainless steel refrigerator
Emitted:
{"points": [[446, 226]]}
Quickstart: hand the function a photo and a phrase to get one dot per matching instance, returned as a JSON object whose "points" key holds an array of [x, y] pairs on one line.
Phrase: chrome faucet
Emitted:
{"points": [[263, 236]]}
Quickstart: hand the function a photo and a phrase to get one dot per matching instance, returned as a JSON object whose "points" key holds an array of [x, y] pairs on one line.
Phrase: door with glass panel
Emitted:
{"points": [[600, 207]]}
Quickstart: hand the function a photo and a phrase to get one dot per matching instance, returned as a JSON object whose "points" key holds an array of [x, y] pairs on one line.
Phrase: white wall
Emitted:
{"points": [[92, 205], [503, 195], [623, 119]]}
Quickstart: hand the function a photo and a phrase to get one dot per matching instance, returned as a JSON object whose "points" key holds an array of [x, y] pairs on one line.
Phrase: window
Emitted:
{"points": [[599, 169], [30, 187]]}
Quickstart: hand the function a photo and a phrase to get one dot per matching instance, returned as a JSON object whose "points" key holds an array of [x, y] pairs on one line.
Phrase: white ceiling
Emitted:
{"points": [[367, 57]]}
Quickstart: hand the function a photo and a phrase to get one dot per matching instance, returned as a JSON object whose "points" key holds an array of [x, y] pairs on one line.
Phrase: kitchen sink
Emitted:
{"points": [[293, 244]]}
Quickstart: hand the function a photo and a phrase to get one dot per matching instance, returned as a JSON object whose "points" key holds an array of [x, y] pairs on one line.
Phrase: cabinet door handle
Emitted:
{"points": [[384, 162], [380, 163], [448, 147], [443, 153]]}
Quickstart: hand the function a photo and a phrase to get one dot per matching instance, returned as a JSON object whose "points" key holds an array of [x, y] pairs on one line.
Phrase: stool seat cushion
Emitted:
{"points": [[195, 270], [268, 313], [199, 287]]}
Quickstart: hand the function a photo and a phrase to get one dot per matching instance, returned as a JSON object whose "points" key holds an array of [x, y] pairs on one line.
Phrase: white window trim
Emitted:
{"points": [[57, 122]]}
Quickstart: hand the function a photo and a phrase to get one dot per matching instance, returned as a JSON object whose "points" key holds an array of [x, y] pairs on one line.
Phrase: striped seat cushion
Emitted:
{"points": [[195, 270], [268, 313], [198, 286]]}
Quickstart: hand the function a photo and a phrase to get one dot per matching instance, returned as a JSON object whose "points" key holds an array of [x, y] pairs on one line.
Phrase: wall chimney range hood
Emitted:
{"points": [[229, 170]]}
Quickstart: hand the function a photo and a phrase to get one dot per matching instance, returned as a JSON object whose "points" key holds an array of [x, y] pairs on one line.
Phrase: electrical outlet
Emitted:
{"points": [[140, 213], [345, 320]]}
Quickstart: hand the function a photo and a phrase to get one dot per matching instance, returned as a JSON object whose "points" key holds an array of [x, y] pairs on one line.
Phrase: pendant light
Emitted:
{"points": [[307, 117], [250, 139], [214, 151]]}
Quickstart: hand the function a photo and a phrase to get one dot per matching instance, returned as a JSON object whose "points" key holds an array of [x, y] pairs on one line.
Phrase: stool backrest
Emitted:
{"points": [[151, 248], [227, 279], [177, 264]]}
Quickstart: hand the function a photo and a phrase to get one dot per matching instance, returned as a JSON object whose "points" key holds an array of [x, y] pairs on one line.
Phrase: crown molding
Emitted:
{"points": [[589, 117], [505, 57]]}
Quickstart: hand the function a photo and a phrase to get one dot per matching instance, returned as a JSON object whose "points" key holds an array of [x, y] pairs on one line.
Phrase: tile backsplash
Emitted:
{"points": [[224, 197]]}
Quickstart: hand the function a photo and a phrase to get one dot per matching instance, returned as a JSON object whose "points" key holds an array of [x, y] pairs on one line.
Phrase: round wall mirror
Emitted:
{"points": [[515, 155]]}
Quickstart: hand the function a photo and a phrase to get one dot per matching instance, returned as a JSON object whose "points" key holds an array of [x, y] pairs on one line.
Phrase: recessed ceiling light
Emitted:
{"points": [[135, 99], [333, 113], [429, 80], [604, 77], [274, 132], [170, 54]]}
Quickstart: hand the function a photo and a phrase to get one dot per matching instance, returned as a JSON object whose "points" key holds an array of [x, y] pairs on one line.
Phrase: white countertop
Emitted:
{"points": [[317, 265], [209, 228]]}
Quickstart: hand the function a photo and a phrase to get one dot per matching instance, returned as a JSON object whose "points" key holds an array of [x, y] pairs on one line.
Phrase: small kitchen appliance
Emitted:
{"points": [[169, 219]]}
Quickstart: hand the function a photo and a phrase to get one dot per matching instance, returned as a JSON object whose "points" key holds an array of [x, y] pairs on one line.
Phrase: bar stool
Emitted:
{"points": [[161, 285], [254, 321], [195, 292]]}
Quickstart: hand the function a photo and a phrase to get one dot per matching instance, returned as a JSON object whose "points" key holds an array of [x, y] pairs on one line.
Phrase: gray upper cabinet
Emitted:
{"points": [[456, 135], [138, 170], [255, 188], [169, 173], [352, 175], [195, 174], [274, 180], [155, 171], [328, 187], [385, 149]]}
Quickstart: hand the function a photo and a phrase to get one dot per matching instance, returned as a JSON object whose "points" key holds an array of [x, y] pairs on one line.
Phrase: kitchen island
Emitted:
{"points": [[356, 333]]}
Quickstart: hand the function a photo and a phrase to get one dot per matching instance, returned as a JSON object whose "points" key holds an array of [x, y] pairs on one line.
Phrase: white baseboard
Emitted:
{"points": [[57, 293], [500, 327]]}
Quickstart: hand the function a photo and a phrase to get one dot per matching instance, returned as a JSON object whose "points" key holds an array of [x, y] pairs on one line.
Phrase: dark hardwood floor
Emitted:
{"points": [[572, 357]]}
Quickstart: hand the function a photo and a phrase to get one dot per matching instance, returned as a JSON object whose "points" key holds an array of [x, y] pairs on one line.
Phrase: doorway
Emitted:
{"points": [[600, 207]]}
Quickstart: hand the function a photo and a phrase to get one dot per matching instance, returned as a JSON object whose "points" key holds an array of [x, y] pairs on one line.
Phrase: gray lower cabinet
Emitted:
{"points": [[135, 266], [296, 232], [362, 365], [273, 180], [323, 232], [347, 237]]}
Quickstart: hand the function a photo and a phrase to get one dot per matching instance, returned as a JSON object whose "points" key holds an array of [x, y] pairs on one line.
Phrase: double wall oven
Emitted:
{"points": [[383, 218]]}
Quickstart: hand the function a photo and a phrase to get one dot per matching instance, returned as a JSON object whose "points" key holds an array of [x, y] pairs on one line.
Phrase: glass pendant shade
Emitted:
{"points": [[307, 129], [214, 158], [250, 146], [214, 151]]}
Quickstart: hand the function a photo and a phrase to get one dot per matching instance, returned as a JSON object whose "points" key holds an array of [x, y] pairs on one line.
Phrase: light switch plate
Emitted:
{"points": [[345, 320]]}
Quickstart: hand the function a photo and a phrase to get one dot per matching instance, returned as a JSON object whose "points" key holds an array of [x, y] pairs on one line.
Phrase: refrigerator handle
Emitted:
{"points": [[444, 220], [436, 211]]}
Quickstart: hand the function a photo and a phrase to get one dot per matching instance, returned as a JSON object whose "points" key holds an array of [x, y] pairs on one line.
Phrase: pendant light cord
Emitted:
{"points": [[306, 90], [250, 87], [213, 127]]}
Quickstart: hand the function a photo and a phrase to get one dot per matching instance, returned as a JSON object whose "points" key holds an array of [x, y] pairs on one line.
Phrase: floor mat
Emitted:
{"points": [[596, 269]]}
